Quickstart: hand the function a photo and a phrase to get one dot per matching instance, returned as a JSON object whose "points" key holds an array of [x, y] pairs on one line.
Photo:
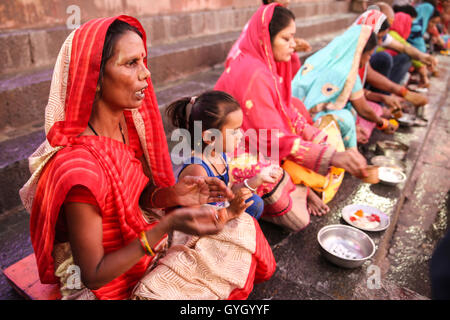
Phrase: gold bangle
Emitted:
{"points": [[145, 244]]}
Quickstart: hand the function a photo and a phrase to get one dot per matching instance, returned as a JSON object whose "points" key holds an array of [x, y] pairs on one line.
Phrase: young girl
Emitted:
{"points": [[218, 110]]}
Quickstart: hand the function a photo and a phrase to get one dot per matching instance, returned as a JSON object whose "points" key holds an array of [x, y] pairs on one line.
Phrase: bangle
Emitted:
{"points": [[384, 125], [248, 187], [403, 91], [146, 246], [144, 243], [152, 195]]}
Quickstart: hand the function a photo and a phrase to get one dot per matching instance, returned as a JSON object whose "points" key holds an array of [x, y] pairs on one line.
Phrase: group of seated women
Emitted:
{"points": [[110, 220]]}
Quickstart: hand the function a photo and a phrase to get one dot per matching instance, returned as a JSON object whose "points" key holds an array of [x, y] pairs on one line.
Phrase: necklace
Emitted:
{"points": [[120, 127], [224, 163]]}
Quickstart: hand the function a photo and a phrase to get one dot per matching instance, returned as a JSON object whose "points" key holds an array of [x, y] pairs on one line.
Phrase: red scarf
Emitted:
{"points": [[402, 25], [108, 168]]}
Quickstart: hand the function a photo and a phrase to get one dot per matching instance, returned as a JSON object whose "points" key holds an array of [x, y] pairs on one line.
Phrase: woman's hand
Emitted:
{"points": [[390, 128], [197, 221], [416, 99], [352, 161], [269, 174], [361, 135], [302, 45], [238, 204], [393, 102], [193, 191]]}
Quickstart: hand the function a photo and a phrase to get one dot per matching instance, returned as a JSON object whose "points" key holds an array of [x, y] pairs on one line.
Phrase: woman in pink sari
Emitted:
{"points": [[260, 79]]}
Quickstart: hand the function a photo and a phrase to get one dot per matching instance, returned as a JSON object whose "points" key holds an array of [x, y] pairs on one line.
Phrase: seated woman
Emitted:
{"points": [[104, 159], [376, 75], [220, 111], [419, 27], [260, 80]]}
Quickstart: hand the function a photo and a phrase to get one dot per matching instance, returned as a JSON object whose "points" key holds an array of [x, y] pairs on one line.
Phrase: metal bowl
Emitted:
{"points": [[391, 176], [383, 161], [407, 120], [345, 246], [392, 149]]}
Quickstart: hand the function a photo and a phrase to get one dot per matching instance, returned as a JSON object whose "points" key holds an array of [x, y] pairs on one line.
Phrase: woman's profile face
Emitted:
{"points": [[365, 57], [124, 80], [283, 44]]}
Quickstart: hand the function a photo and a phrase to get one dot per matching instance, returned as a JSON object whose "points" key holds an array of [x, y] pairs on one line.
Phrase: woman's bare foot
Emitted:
{"points": [[315, 205]]}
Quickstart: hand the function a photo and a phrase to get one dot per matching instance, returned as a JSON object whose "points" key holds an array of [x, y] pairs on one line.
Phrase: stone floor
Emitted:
{"points": [[419, 212]]}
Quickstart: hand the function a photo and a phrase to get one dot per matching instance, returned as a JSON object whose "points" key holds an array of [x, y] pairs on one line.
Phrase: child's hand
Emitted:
{"points": [[270, 174], [238, 204]]}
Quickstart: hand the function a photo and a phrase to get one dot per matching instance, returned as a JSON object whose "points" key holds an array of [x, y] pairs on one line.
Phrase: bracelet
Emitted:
{"points": [[144, 243], [403, 91], [146, 246], [384, 125], [248, 187], [152, 195]]}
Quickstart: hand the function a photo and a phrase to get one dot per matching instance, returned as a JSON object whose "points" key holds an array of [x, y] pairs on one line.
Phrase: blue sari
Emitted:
{"points": [[329, 79], [420, 25]]}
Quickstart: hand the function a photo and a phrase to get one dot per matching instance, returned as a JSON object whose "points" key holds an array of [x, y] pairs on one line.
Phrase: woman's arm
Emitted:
{"points": [[365, 111], [84, 224]]}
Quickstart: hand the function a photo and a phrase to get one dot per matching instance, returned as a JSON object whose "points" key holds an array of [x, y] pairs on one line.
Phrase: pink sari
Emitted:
{"points": [[263, 89]]}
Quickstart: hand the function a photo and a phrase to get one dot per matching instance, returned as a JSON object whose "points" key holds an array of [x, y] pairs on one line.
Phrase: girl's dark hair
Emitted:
{"points": [[371, 43], [267, 1], [115, 31], [281, 18], [384, 26], [408, 9], [210, 108]]}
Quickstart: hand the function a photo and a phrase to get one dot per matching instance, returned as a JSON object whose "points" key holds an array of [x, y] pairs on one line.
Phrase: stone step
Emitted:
{"points": [[23, 96], [20, 142], [24, 49]]}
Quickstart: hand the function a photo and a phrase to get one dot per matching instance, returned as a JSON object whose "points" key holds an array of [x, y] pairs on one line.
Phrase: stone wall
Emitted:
{"points": [[23, 14]]}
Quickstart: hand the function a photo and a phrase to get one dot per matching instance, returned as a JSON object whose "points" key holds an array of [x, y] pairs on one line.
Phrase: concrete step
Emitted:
{"points": [[303, 273], [25, 49]]}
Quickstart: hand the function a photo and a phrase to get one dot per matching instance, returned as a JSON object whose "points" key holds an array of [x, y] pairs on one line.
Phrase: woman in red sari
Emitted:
{"points": [[105, 158], [259, 78]]}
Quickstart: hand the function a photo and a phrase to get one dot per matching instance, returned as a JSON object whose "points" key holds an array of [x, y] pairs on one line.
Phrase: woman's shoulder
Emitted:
{"points": [[76, 161]]}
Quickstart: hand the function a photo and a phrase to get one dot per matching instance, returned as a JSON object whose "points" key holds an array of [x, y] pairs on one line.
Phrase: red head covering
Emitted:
{"points": [[86, 55], [402, 24]]}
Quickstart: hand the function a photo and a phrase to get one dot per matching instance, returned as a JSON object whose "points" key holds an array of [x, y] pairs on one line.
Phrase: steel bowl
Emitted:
{"points": [[391, 176], [345, 246], [383, 161], [392, 149], [407, 120]]}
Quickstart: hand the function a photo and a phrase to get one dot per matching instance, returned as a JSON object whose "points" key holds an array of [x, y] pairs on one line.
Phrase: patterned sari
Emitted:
{"points": [[330, 78], [112, 172]]}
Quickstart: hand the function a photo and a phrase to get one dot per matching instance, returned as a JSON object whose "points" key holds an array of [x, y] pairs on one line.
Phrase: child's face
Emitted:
{"points": [[231, 131]]}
